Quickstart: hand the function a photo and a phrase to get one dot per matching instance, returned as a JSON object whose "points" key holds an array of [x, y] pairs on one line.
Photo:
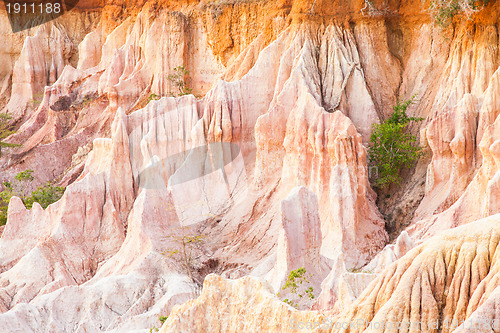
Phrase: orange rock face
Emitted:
{"points": [[250, 165]]}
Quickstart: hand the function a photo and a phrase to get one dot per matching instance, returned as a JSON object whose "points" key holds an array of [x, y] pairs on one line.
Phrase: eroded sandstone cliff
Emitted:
{"points": [[265, 163]]}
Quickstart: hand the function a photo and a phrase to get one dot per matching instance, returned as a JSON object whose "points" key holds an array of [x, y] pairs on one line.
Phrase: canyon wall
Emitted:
{"points": [[262, 170]]}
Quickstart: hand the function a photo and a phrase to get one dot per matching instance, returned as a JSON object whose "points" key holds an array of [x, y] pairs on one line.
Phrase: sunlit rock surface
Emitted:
{"points": [[265, 165]]}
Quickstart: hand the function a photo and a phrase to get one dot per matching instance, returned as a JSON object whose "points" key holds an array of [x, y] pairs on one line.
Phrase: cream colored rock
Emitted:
{"points": [[341, 288], [299, 244], [424, 286], [297, 105], [391, 253], [461, 173], [471, 204], [42, 60], [440, 281], [254, 302]]}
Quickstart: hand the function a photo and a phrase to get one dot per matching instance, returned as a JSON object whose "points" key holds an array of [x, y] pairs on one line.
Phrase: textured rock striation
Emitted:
{"points": [[437, 286], [266, 165]]}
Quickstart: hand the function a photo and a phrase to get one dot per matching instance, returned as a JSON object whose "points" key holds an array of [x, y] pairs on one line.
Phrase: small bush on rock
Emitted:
{"points": [[44, 195], [393, 147], [443, 11]]}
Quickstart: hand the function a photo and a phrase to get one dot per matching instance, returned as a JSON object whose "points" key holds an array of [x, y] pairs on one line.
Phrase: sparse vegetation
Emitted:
{"points": [[393, 147], [370, 10], [87, 100], [36, 101], [178, 80], [443, 11], [44, 195], [153, 97], [297, 284], [186, 252], [162, 320], [6, 130]]}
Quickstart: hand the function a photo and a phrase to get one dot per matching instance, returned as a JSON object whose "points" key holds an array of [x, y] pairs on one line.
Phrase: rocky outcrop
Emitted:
{"points": [[41, 62], [459, 135], [299, 243], [264, 168], [440, 282], [252, 299], [437, 286]]}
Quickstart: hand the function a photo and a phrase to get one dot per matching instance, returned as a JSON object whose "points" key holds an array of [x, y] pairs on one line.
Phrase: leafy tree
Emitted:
{"points": [[392, 146], [177, 79], [44, 195], [296, 279]]}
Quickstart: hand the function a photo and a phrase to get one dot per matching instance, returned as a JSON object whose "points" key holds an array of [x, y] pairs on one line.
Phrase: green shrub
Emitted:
{"points": [[443, 11], [25, 175], [392, 146], [162, 320], [295, 280], [44, 195], [178, 80], [153, 97]]}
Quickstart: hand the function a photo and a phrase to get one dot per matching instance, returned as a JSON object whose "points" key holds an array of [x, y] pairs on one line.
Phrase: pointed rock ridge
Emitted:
{"points": [[108, 179], [299, 242], [245, 60], [331, 292], [140, 264], [391, 253], [149, 224], [47, 124], [17, 240], [81, 230], [120, 177], [90, 50], [469, 67], [306, 145], [324, 152], [301, 237], [445, 279], [229, 116], [459, 115], [41, 61], [252, 300], [163, 129], [343, 81], [403, 244], [68, 252], [341, 287], [470, 205], [298, 143], [139, 62], [451, 137]]}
